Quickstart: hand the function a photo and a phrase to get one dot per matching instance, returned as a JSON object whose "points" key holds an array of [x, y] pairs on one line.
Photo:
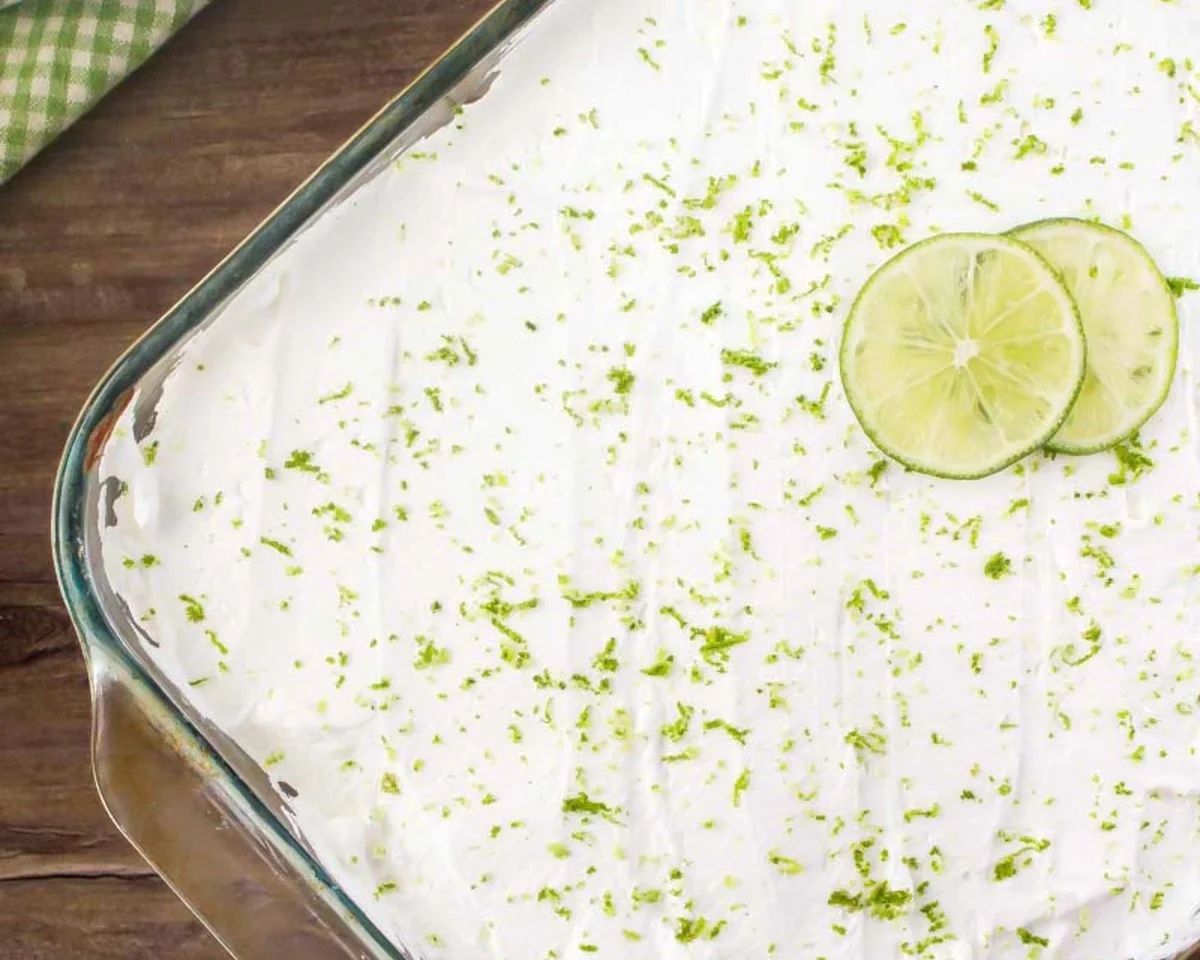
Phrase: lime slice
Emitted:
{"points": [[962, 355], [1129, 320]]}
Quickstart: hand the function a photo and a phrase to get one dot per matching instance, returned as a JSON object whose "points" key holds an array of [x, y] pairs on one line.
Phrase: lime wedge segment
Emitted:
{"points": [[963, 354], [1129, 320]]}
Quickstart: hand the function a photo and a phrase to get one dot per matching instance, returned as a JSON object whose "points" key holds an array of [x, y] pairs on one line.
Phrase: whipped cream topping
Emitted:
{"points": [[514, 517]]}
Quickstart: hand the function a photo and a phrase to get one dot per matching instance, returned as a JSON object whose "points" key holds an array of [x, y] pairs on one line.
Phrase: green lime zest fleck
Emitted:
{"points": [[716, 186], [824, 247], [927, 814], [1181, 285], [276, 545], [785, 865], [640, 896], [301, 460], [337, 395], [868, 741], [1030, 144], [736, 733], [659, 185], [829, 61], [429, 654], [815, 408], [661, 667], [514, 649], [995, 95], [1009, 866], [648, 59], [997, 567], [690, 929], [993, 38], [1030, 939], [1071, 654], [677, 730], [879, 900], [712, 314], [742, 225], [983, 201], [888, 236], [690, 753], [622, 380], [193, 609], [606, 660], [578, 599], [1132, 462], [740, 786], [748, 360], [808, 498], [583, 805], [386, 887], [453, 351], [717, 642], [573, 213]]}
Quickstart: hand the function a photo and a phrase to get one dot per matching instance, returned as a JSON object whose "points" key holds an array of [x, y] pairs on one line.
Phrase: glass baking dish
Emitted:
{"points": [[199, 809], [195, 806]]}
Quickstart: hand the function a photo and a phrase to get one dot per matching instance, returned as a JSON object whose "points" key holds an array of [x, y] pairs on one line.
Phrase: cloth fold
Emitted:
{"points": [[59, 57]]}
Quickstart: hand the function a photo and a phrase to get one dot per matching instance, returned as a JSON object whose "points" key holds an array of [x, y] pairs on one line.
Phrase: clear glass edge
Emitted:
{"points": [[106, 654], [160, 787]]}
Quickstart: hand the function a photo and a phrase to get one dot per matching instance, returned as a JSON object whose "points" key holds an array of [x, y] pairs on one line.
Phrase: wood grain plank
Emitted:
{"points": [[51, 821], [101, 918], [98, 237]]}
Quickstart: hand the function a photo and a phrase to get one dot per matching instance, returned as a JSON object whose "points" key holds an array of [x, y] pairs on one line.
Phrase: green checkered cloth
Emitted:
{"points": [[58, 57]]}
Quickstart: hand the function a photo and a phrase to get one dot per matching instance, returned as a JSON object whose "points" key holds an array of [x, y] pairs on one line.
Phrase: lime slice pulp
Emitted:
{"points": [[963, 354], [1129, 320]]}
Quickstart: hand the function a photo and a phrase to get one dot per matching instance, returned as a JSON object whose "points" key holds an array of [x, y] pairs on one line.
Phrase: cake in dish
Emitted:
{"points": [[515, 521]]}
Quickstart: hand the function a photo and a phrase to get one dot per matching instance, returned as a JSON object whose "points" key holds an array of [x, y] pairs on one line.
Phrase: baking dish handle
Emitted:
{"points": [[158, 786]]}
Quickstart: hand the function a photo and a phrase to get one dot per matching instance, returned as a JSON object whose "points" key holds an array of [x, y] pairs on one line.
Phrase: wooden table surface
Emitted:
{"points": [[99, 236]]}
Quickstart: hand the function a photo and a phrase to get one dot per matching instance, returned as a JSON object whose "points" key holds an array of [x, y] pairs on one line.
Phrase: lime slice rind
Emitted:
{"points": [[1131, 324], [962, 355]]}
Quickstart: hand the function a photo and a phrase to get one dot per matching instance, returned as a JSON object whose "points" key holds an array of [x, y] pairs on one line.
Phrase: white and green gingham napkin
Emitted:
{"points": [[58, 57]]}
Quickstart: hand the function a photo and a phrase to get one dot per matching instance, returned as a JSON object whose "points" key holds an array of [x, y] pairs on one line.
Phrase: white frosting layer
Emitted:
{"points": [[515, 518]]}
